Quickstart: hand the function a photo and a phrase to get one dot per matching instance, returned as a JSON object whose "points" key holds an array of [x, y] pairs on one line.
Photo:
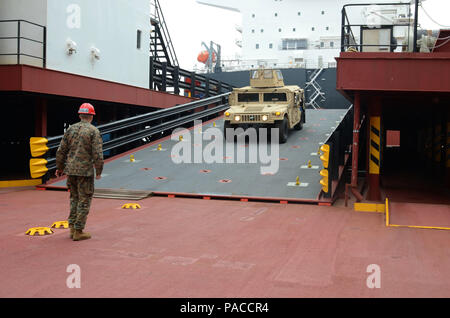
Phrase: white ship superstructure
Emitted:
{"points": [[293, 33]]}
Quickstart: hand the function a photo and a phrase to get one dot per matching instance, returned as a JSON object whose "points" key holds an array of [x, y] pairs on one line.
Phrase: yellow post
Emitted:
{"points": [[387, 212], [297, 181]]}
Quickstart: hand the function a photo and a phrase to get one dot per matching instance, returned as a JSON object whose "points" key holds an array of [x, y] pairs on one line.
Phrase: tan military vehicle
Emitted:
{"points": [[267, 102]]}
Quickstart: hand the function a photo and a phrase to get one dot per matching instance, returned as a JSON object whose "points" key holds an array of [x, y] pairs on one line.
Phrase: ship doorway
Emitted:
{"points": [[415, 154]]}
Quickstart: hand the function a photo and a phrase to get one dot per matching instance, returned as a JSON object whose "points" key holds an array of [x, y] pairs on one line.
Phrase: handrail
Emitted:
{"points": [[136, 121], [169, 76], [339, 142], [347, 30], [19, 37]]}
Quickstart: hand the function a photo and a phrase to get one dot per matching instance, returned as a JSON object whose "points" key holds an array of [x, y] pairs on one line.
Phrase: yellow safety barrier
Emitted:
{"points": [[58, 224], [20, 183], [369, 207], [39, 230], [131, 206]]}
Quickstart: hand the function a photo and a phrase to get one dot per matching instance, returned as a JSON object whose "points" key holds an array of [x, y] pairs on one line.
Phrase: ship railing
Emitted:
{"points": [[164, 76], [340, 147], [22, 42], [138, 130], [354, 26]]}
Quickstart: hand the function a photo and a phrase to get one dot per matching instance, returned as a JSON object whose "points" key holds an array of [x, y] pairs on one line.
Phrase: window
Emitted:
{"points": [[279, 75], [253, 30], [248, 97], [253, 15], [294, 44], [138, 40], [322, 44], [270, 46], [323, 12], [254, 74], [279, 30], [262, 30], [327, 28], [257, 46], [331, 44], [275, 97], [299, 13], [267, 74], [293, 30], [276, 14], [313, 29]]}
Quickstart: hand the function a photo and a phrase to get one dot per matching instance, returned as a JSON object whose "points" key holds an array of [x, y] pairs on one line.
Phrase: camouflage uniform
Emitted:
{"points": [[80, 149]]}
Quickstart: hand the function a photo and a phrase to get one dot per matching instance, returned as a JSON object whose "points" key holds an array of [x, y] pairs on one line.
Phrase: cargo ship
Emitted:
{"points": [[358, 204]]}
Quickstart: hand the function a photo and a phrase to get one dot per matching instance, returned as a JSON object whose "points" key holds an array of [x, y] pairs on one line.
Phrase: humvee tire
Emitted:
{"points": [[226, 125], [283, 129]]}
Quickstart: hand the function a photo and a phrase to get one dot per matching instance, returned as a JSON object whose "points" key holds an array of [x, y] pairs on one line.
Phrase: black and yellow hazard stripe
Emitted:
{"points": [[374, 163]]}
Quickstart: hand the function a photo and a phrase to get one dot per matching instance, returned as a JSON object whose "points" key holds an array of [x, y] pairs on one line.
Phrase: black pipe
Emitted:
{"points": [[416, 20]]}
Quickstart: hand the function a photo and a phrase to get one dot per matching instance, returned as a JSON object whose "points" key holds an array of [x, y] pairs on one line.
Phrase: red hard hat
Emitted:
{"points": [[86, 109]]}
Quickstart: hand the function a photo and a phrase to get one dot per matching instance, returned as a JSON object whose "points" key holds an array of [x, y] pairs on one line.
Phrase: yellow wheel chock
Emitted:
{"points": [[63, 224], [131, 206], [40, 230]]}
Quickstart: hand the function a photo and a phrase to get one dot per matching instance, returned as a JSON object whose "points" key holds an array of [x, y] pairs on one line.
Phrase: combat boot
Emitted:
{"points": [[72, 230], [79, 235]]}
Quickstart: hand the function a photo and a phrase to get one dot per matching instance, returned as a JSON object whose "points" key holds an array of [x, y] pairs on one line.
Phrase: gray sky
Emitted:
{"points": [[191, 23]]}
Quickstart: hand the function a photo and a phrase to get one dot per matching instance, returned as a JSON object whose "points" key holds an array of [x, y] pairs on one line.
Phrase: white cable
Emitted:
{"points": [[442, 44], [444, 26]]}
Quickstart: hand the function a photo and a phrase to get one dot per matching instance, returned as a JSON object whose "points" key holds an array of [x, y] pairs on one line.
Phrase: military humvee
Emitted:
{"points": [[267, 102]]}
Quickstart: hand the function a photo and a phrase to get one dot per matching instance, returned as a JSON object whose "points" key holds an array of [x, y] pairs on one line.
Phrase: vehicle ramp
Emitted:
{"points": [[154, 167]]}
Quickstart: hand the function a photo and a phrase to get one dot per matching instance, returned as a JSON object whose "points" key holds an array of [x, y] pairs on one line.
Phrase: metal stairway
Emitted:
{"points": [[161, 46], [312, 101]]}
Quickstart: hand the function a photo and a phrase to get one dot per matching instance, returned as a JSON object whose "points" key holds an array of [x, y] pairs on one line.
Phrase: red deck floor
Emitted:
{"points": [[175, 247]]}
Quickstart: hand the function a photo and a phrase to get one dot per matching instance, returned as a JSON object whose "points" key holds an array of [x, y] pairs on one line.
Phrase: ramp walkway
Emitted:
{"points": [[154, 168]]}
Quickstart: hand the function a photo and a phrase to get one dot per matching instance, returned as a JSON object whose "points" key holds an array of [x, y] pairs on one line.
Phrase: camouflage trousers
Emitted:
{"points": [[81, 191]]}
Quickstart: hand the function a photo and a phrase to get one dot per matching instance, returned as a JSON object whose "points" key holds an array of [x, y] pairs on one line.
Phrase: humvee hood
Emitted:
{"points": [[265, 108]]}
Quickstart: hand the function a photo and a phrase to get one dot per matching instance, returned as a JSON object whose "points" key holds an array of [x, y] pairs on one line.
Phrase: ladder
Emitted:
{"points": [[318, 93], [161, 46]]}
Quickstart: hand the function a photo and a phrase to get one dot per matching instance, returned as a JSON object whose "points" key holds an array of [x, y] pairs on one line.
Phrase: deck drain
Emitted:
{"points": [[205, 171], [146, 169], [225, 181], [160, 178]]}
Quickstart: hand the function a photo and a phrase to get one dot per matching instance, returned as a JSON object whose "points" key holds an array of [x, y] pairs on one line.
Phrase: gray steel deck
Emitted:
{"points": [[245, 179]]}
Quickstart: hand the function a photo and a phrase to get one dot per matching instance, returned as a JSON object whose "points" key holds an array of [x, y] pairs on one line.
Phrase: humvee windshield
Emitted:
{"points": [[275, 97], [248, 97]]}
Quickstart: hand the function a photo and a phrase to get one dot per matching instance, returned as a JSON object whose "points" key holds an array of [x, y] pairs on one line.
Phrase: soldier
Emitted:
{"points": [[80, 150]]}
